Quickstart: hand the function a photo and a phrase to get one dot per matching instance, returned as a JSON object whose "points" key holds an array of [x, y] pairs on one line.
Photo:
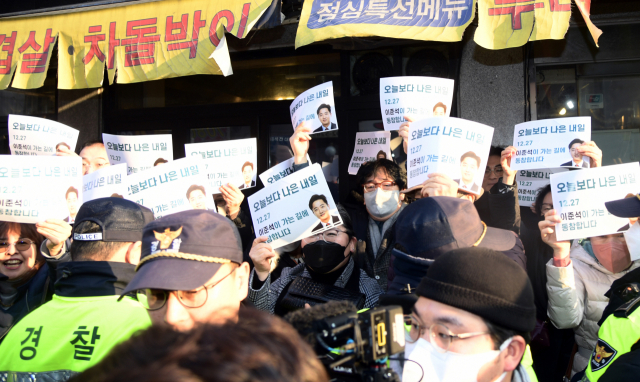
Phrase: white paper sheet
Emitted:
{"points": [[546, 143], [106, 182], [36, 188], [452, 146], [579, 198], [176, 186], [279, 171], [282, 211], [139, 152], [415, 97], [317, 107], [227, 162], [368, 146], [39, 136]]}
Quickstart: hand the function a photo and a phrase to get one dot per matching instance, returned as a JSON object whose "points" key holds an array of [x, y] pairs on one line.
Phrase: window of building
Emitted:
{"points": [[254, 79], [606, 92], [215, 134]]}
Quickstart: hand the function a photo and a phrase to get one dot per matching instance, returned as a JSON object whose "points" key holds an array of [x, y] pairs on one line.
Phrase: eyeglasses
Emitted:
{"points": [[496, 170], [329, 236], [371, 186], [21, 245], [154, 299], [439, 335]]}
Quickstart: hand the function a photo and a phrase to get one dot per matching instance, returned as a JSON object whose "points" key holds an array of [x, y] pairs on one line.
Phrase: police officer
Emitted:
{"points": [[191, 270], [85, 318], [620, 323]]}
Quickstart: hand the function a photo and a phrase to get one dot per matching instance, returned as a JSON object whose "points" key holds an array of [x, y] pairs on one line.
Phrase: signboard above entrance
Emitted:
{"points": [[139, 42]]}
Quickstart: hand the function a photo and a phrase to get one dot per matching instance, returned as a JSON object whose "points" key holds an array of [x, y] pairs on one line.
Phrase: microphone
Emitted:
{"points": [[302, 319]]}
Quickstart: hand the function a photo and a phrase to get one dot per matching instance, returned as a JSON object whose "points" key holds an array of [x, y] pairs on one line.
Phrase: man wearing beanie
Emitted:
{"points": [[472, 320]]}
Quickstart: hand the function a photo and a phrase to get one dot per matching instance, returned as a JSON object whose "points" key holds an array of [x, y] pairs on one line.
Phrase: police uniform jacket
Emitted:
{"points": [[80, 325], [33, 293], [577, 299]]}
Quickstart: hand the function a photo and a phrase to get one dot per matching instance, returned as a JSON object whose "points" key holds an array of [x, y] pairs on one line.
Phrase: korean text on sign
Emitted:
{"points": [[142, 42], [225, 162], [39, 136], [23, 179], [107, 182], [452, 146], [176, 186], [529, 184], [279, 171], [551, 143], [368, 147], [139, 152], [415, 97], [579, 198], [316, 107], [294, 208]]}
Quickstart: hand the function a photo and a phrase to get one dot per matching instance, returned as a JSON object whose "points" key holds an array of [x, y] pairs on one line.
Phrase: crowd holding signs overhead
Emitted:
{"points": [[463, 275]]}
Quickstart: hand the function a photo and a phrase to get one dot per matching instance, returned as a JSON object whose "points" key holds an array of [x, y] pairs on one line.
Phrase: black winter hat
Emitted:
{"points": [[483, 282]]}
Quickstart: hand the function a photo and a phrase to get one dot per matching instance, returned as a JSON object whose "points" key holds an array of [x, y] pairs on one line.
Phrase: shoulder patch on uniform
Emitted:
{"points": [[602, 355]]}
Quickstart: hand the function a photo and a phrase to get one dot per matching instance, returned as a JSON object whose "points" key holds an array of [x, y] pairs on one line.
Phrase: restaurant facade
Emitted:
{"points": [[500, 88]]}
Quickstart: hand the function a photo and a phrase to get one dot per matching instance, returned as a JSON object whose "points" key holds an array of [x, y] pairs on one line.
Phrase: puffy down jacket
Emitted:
{"points": [[577, 300]]}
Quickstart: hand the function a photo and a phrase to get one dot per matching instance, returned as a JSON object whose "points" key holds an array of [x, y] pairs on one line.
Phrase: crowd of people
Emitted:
{"points": [[487, 290]]}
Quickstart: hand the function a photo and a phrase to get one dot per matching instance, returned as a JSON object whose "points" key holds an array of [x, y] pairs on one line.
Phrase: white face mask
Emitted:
{"points": [[381, 203], [426, 364]]}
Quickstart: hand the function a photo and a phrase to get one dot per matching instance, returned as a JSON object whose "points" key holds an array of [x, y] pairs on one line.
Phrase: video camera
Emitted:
{"points": [[355, 346]]}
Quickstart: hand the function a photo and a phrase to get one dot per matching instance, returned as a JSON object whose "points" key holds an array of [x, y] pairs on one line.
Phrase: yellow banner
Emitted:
{"points": [[429, 20], [511, 23], [140, 42]]}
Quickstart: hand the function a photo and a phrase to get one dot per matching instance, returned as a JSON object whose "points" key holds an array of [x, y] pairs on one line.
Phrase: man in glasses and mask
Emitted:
{"points": [[381, 182], [471, 321], [191, 270], [327, 260]]}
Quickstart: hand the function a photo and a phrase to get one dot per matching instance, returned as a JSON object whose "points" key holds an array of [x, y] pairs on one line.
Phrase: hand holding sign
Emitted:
{"points": [[404, 132], [505, 162], [439, 185], [233, 197], [300, 142], [591, 150], [56, 232], [64, 151], [262, 256], [548, 228]]}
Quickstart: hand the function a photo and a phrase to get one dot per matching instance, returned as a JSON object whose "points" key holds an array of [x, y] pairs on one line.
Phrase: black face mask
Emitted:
{"points": [[322, 257]]}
